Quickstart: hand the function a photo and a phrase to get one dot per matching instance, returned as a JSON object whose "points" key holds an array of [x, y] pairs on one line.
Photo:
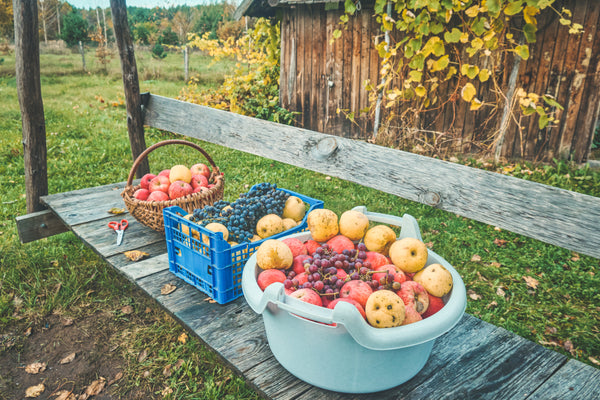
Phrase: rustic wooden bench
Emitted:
{"points": [[473, 360]]}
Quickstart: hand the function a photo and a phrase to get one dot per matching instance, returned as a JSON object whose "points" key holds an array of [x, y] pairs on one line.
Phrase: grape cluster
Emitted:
{"points": [[240, 217]]}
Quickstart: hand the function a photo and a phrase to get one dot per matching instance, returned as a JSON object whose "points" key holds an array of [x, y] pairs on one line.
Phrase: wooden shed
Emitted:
{"points": [[324, 81]]}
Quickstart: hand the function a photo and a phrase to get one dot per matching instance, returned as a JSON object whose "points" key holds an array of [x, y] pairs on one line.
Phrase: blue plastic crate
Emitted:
{"points": [[214, 268]]}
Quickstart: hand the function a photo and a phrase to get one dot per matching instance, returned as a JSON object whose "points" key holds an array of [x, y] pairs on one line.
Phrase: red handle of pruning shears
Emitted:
{"points": [[119, 226]]}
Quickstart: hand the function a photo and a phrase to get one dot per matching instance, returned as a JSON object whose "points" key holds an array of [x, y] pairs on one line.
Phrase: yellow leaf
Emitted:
{"points": [[167, 289], [529, 14], [135, 255], [117, 211], [182, 338], [468, 92], [35, 368], [484, 75], [464, 38], [531, 282], [476, 104], [472, 11], [420, 91], [35, 391]]}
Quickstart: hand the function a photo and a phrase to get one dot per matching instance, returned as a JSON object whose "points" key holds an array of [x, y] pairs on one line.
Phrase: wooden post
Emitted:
{"points": [[186, 63], [135, 118], [27, 63], [82, 51]]}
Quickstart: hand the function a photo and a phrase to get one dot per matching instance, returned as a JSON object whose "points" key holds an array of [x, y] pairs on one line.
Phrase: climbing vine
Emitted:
{"points": [[253, 89], [456, 42]]}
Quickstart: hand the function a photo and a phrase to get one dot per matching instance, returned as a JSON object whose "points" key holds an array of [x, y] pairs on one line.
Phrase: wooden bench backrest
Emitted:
{"points": [[552, 215]]}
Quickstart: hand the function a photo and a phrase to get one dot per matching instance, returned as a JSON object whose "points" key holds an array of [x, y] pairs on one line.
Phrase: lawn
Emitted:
{"points": [[544, 293]]}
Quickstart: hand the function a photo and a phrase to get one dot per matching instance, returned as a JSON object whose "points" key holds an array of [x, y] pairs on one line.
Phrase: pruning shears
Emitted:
{"points": [[119, 227]]}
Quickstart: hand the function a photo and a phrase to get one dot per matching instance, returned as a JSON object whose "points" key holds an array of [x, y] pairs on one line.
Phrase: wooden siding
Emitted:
{"points": [[324, 81]]}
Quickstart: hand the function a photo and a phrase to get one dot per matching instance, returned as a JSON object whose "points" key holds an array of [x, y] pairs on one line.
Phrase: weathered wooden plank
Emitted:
{"points": [[560, 217], [122, 263], [144, 268], [575, 380], [300, 63], [39, 225], [284, 59], [347, 73], [354, 84]]}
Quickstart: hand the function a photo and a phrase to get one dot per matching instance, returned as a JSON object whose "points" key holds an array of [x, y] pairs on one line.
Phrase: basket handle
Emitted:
{"points": [[143, 155]]}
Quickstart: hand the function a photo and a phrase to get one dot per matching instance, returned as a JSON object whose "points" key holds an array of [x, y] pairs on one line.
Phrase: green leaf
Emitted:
{"points": [[379, 6], [484, 75], [564, 21], [552, 102], [471, 71], [494, 7], [337, 34], [529, 30], [513, 7], [350, 7], [468, 92], [441, 63], [472, 11], [453, 36], [522, 51], [543, 121], [415, 76]]}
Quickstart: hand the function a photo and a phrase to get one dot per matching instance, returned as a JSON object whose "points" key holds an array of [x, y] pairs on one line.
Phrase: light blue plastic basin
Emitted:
{"points": [[337, 349]]}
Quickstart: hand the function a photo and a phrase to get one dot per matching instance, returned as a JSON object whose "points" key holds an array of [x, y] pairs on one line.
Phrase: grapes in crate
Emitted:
{"points": [[242, 216]]}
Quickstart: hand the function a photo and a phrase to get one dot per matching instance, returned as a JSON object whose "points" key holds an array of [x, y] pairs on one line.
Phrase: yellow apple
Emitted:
{"points": [[180, 173], [408, 254]]}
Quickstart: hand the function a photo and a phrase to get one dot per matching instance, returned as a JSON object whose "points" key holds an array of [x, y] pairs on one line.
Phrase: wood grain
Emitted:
{"points": [[39, 225], [556, 216]]}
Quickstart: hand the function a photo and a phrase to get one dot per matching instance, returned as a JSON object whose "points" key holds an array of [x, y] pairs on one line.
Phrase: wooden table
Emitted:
{"points": [[475, 360]]}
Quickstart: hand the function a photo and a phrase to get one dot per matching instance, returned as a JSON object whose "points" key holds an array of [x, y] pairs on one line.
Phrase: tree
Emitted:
{"points": [[74, 29], [168, 37]]}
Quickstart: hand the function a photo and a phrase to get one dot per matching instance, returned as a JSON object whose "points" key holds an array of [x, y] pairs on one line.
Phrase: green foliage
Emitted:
{"points": [[254, 88], [74, 29], [158, 51], [168, 37]]}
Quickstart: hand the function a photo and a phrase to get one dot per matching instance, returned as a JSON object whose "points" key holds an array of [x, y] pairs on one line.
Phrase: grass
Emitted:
{"points": [[541, 292]]}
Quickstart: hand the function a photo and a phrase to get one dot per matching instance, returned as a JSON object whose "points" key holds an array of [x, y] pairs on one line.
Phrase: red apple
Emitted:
{"points": [[376, 259], [269, 276], [159, 183], [339, 243], [308, 295], [302, 278], [311, 246], [435, 305], [298, 264], [411, 315], [341, 274], [414, 295], [141, 194], [165, 172], [199, 189], [145, 181], [199, 180], [158, 195], [357, 290], [296, 246], [179, 189], [386, 269], [200, 169], [355, 303]]}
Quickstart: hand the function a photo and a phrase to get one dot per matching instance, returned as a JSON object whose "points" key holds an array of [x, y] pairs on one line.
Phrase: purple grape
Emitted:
{"points": [[339, 283], [307, 285], [313, 268], [316, 276], [361, 247], [309, 277], [339, 264], [363, 271], [329, 291], [355, 276], [288, 284], [295, 282], [333, 278], [291, 274], [367, 264], [318, 285], [362, 255]]}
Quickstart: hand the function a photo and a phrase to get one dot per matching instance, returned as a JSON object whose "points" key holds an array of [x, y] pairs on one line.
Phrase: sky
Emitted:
{"points": [[138, 3]]}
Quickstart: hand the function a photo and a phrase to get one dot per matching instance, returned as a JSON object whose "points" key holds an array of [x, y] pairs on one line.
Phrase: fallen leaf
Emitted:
{"points": [[593, 360], [495, 264], [135, 255], [167, 370], [117, 377], [67, 359], [143, 355], [551, 343], [166, 391], [95, 387], [568, 346], [127, 309], [481, 277], [182, 338], [550, 330], [500, 292], [67, 322], [178, 364], [116, 211], [27, 331], [35, 368], [65, 395], [476, 258], [35, 391], [473, 295], [499, 242], [531, 282], [497, 229], [492, 304], [148, 310], [167, 289]]}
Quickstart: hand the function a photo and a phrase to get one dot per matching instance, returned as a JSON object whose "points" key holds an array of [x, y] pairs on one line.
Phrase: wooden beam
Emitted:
{"points": [[131, 84], [27, 65], [39, 225], [552, 215]]}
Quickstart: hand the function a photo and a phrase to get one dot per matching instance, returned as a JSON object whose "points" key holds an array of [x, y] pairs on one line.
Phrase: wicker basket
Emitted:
{"points": [[150, 213]]}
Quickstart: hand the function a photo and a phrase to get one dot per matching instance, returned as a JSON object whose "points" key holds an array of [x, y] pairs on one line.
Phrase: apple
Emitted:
{"points": [[411, 315], [339, 243], [414, 295], [435, 305], [179, 189], [145, 181], [311, 246], [159, 183], [341, 274], [165, 172], [298, 264], [409, 254], [269, 276], [201, 169], [385, 270], [296, 246], [158, 195], [199, 189], [355, 303], [180, 173], [301, 278], [357, 290], [199, 180], [141, 194], [308, 296], [376, 259]]}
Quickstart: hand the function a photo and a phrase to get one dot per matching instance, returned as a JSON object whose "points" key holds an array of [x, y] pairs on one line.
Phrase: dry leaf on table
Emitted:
{"points": [[35, 368], [168, 288], [116, 211], [135, 255], [35, 391]]}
